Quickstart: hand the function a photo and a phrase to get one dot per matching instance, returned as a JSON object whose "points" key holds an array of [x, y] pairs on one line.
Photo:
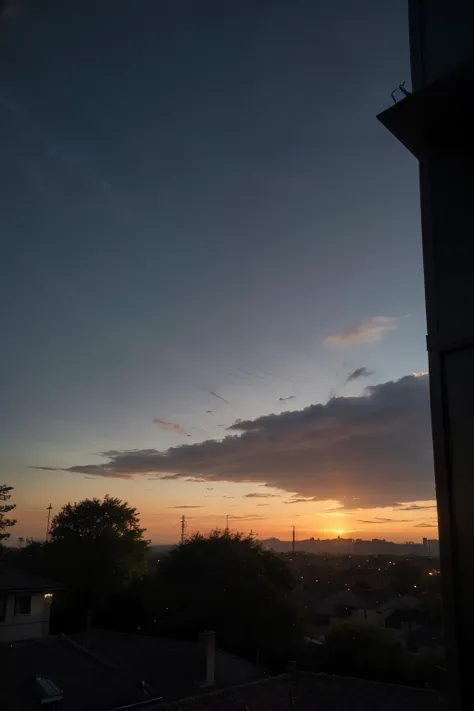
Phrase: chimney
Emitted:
{"points": [[208, 640]]}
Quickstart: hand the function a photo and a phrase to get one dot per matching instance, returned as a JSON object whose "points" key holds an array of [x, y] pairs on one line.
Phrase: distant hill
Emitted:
{"points": [[346, 546], [280, 546], [157, 550]]}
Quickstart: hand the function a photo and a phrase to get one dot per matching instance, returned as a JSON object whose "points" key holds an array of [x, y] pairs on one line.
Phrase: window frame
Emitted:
{"points": [[19, 598]]}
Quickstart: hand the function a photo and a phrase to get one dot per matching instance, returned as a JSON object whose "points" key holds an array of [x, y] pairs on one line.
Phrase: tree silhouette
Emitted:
{"points": [[96, 547], [229, 583], [356, 648], [5, 523]]}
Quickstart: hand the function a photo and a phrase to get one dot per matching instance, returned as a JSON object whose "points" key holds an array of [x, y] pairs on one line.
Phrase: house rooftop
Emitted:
{"points": [[103, 670], [12, 580], [87, 684], [176, 668], [312, 692]]}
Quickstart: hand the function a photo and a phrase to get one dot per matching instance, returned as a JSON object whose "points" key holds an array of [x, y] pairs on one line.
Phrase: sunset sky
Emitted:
{"points": [[211, 292]]}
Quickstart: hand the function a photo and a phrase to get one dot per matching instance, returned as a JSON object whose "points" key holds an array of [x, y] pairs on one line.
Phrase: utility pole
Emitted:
{"points": [[48, 509], [183, 527], [293, 545], [227, 522]]}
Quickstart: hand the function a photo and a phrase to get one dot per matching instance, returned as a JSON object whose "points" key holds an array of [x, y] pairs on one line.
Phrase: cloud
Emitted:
{"points": [[385, 520], [426, 525], [218, 397], [247, 518], [298, 501], [263, 504], [359, 373], [262, 496], [375, 448], [184, 507], [169, 426], [45, 469], [369, 331], [414, 507]]}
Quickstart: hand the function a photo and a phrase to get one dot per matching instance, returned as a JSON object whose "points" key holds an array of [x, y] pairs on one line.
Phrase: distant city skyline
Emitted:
{"points": [[212, 287]]}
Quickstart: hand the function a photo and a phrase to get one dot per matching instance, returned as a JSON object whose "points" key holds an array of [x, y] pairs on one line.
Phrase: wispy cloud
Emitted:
{"points": [[184, 507], [170, 426], [368, 331], [359, 373], [426, 525], [250, 517], [261, 496], [385, 520], [219, 397], [299, 501], [414, 507]]}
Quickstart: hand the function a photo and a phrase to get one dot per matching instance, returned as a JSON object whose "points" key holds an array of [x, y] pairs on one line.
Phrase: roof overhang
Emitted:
{"points": [[439, 115]]}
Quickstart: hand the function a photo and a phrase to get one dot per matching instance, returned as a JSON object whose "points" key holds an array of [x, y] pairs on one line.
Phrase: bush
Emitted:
{"points": [[356, 648]]}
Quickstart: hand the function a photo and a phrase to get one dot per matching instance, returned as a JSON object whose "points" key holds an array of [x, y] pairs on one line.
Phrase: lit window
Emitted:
{"points": [[48, 596]]}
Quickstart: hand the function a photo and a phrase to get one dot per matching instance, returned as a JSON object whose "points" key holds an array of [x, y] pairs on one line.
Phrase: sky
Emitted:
{"points": [[211, 288]]}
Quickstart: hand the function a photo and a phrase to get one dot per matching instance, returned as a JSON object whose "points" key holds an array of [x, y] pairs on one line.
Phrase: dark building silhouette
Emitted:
{"points": [[435, 123]]}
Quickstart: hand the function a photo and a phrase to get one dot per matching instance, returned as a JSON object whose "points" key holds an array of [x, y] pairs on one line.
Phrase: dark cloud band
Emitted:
{"points": [[375, 448]]}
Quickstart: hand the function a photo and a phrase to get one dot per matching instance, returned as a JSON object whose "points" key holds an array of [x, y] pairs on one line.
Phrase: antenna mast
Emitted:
{"points": [[183, 527], [293, 544], [48, 509]]}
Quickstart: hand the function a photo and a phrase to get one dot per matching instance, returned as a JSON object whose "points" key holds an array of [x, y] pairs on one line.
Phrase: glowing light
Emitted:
{"points": [[340, 531]]}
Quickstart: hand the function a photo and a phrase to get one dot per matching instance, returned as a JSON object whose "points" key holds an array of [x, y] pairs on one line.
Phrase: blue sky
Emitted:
{"points": [[193, 190]]}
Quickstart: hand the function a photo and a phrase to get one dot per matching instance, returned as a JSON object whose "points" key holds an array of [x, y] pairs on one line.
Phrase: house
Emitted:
{"points": [[383, 608], [336, 605], [101, 670], [25, 602]]}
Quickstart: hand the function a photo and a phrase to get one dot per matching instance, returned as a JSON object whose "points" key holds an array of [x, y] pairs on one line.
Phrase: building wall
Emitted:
{"points": [[445, 36], [17, 627], [442, 40]]}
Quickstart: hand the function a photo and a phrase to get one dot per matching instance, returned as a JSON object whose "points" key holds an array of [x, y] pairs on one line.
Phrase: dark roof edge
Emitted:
{"points": [[359, 680]]}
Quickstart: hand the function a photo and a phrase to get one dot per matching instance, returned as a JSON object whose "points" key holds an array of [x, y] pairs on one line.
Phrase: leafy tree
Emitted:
{"points": [[5, 508], [96, 547], [229, 583], [357, 648], [31, 557]]}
